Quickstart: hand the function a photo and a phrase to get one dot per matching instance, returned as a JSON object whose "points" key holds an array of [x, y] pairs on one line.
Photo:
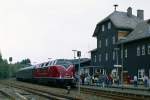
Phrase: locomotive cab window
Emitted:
{"points": [[47, 64], [63, 62]]}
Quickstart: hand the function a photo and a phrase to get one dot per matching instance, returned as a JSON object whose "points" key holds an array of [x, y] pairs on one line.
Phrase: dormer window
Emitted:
{"points": [[109, 25], [103, 27]]}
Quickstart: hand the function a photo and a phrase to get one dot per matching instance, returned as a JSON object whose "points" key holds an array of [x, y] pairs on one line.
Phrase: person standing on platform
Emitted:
{"points": [[145, 81], [135, 81]]}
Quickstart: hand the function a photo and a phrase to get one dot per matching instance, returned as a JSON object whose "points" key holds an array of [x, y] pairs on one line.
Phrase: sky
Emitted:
{"points": [[42, 29]]}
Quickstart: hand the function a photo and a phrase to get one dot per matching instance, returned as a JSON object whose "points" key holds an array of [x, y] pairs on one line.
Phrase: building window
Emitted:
{"points": [[148, 49], [109, 25], [143, 50], [113, 40], [95, 58], [106, 58], [138, 51], [103, 27], [121, 53], [106, 41], [100, 56], [113, 55], [100, 43], [126, 53], [140, 73]]}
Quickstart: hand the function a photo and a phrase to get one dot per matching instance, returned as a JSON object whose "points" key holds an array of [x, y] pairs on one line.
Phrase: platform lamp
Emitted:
{"points": [[9, 71], [79, 55], [10, 60]]}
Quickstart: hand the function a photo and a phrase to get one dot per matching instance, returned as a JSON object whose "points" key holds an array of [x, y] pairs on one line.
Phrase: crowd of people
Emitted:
{"points": [[108, 80]]}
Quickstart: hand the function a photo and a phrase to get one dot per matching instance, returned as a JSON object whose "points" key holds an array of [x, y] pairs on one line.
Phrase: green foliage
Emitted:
{"points": [[4, 67], [26, 61], [9, 70]]}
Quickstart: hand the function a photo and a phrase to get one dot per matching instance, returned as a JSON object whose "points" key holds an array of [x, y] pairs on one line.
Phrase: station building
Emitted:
{"points": [[122, 39]]}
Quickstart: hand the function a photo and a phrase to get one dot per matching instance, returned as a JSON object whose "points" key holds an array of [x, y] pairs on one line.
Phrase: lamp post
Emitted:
{"points": [[122, 47], [74, 53], [79, 55]]}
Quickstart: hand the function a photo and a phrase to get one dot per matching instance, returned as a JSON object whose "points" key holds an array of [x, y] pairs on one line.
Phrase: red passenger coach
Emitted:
{"points": [[58, 71]]}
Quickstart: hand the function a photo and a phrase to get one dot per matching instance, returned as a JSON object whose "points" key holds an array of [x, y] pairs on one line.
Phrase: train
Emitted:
{"points": [[59, 72]]}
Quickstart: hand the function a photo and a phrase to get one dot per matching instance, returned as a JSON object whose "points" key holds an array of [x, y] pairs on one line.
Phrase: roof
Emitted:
{"points": [[120, 20], [93, 50], [82, 60], [141, 31], [26, 68]]}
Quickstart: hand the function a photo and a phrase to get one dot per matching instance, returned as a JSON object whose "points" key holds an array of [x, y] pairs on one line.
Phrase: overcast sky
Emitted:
{"points": [[42, 29]]}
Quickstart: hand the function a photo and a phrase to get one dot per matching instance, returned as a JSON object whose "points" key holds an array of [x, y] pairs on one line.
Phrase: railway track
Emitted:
{"points": [[41, 92], [44, 91], [6, 96], [114, 94]]}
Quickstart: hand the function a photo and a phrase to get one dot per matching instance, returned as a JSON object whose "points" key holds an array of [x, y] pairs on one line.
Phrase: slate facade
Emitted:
{"points": [[123, 35]]}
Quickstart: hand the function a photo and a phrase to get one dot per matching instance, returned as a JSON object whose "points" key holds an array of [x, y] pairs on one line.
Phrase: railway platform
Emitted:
{"points": [[125, 89]]}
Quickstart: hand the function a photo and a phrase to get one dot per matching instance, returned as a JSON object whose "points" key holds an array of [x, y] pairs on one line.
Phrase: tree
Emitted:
{"points": [[1, 59], [26, 62]]}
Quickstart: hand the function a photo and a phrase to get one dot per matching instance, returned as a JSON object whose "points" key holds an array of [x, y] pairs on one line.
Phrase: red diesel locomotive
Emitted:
{"points": [[58, 71]]}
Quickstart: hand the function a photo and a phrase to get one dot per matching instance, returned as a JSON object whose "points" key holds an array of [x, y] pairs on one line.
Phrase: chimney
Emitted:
{"points": [[129, 12], [140, 14]]}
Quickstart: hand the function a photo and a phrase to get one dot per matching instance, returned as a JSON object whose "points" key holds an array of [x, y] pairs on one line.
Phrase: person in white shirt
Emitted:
{"points": [[135, 81]]}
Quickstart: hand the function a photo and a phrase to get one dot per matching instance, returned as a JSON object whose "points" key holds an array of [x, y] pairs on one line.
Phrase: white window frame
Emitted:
{"points": [[113, 40], [148, 49], [109, 25], [106, 42], [103, 28], [138, 51], [143, 49], [126, 53], [141, 74], [106, 57]]}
